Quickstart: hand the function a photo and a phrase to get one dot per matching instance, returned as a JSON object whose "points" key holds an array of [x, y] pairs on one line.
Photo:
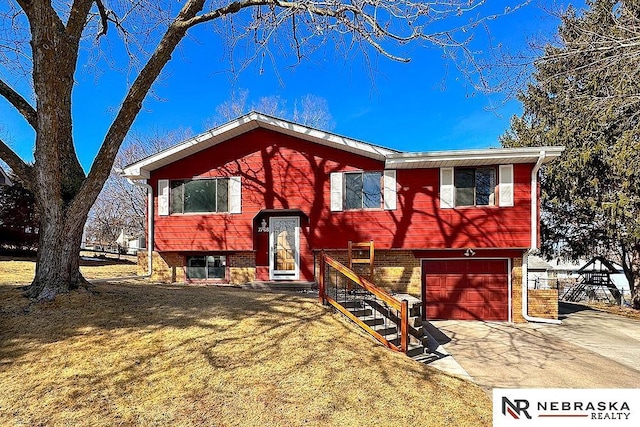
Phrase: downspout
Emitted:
{"points": [[149, 224], [534, 246]]}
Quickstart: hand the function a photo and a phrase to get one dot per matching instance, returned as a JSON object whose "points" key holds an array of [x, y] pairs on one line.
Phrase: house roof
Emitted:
{"points": [[453, 158], [536, 263], [392, 158], [244, 124], [4, 178]]}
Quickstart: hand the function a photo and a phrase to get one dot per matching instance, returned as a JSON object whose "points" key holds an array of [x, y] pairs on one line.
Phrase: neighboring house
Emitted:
{"points": [[540, 273], [259, 198], [129, 243], [4, 178]]}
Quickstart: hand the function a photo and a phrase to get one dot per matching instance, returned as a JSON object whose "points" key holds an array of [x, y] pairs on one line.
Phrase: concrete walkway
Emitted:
{"points": [[591, 349]]}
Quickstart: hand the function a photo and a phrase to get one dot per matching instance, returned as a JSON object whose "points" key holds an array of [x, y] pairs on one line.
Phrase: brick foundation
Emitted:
{"points": [[242, 267], [516, 291], [542, 303], [168, 267]]}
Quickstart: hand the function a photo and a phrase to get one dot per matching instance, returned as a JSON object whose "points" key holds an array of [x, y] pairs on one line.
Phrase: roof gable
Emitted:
{"points": [[244, 124]]}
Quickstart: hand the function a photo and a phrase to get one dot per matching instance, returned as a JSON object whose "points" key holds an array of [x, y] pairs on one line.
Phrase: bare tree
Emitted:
{"points": [[309, 110], [121, 206], [40, 43], [313, 111]]}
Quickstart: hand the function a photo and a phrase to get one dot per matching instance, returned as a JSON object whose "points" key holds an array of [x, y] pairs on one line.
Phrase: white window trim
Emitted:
{"points": [[234, 194], [336, 191], [388, 190], [504, 193]]}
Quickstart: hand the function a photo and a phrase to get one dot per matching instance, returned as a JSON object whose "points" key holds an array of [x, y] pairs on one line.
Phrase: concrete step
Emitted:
{"points": [[372, 320], [415, 304], [361, 312], [385, 330], [413, 348]]}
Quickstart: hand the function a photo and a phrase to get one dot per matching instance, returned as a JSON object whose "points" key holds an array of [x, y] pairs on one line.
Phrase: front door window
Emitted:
{"points": [[284, 247]]}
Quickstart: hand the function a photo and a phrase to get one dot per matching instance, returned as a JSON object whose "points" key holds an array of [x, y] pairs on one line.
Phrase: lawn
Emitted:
{"points": [[132, 353]]}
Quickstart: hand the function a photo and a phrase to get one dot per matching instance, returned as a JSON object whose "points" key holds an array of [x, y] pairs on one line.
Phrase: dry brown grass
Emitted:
{"points": [[22, 270], [133, 354], [614, 309]]}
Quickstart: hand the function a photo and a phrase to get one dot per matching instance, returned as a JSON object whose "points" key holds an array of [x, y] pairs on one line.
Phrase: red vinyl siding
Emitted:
{"points": [[466, 289], [283, 172]]}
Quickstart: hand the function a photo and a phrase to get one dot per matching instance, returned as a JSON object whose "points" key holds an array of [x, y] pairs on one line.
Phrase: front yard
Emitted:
{"points": [[133, 353]]}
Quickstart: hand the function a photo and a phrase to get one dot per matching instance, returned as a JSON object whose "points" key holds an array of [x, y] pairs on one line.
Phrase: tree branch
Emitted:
{"points": [[25, 5], [104, 18], [78, 17], [17, 165], [20, 104], [132, 105]]}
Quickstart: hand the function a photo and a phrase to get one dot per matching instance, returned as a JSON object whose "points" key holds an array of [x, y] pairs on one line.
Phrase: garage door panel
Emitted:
{"points": [[454, 296], [474, 296], [466, 289], [453, 281], [495, 312], [495, 296]]}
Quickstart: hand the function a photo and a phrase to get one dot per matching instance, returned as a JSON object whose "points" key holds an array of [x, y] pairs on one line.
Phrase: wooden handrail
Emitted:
{"points": [[367, 328], [366, 246], [401, 306], [393, 302]]}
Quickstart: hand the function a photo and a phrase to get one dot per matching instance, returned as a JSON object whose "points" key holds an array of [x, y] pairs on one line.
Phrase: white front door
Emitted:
{"points": [[284, 244]]}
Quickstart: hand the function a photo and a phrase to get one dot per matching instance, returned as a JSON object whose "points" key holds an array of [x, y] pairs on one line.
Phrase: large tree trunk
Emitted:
{"points": [[58, 263], [63, 192], [57, 176]]}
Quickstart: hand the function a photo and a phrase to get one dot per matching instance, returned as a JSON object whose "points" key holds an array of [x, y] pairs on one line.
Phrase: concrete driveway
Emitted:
{"points": [[591, 349]]}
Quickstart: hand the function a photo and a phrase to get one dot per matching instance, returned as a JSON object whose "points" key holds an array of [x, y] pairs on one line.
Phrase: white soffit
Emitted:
{"points": [[457, 158], [246, 123]]}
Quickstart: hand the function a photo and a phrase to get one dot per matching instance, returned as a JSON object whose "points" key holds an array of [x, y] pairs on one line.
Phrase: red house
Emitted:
{"points": [[258, 199]]}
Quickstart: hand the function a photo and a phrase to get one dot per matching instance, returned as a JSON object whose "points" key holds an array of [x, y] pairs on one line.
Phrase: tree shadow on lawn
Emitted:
{"points": [[230, 328]]}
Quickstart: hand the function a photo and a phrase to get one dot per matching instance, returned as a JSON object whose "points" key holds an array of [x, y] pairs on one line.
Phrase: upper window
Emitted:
{"points": [[475, 187], [200, 195], [363, 190]]}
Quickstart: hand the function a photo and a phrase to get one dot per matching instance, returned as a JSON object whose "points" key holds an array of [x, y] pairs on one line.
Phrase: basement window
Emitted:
{"points": [[207, 267]]}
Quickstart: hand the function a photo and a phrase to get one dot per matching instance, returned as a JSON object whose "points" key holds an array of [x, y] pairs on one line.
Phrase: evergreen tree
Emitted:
{"points": [[18, 218], [585, 95]]}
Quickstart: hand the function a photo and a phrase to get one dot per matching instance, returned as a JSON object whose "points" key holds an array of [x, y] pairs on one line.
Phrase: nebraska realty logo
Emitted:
{"points": [[570, 407]]}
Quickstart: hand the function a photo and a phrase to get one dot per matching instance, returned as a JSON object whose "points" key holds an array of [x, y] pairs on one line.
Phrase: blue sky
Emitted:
{"points": [[424, 105]]}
